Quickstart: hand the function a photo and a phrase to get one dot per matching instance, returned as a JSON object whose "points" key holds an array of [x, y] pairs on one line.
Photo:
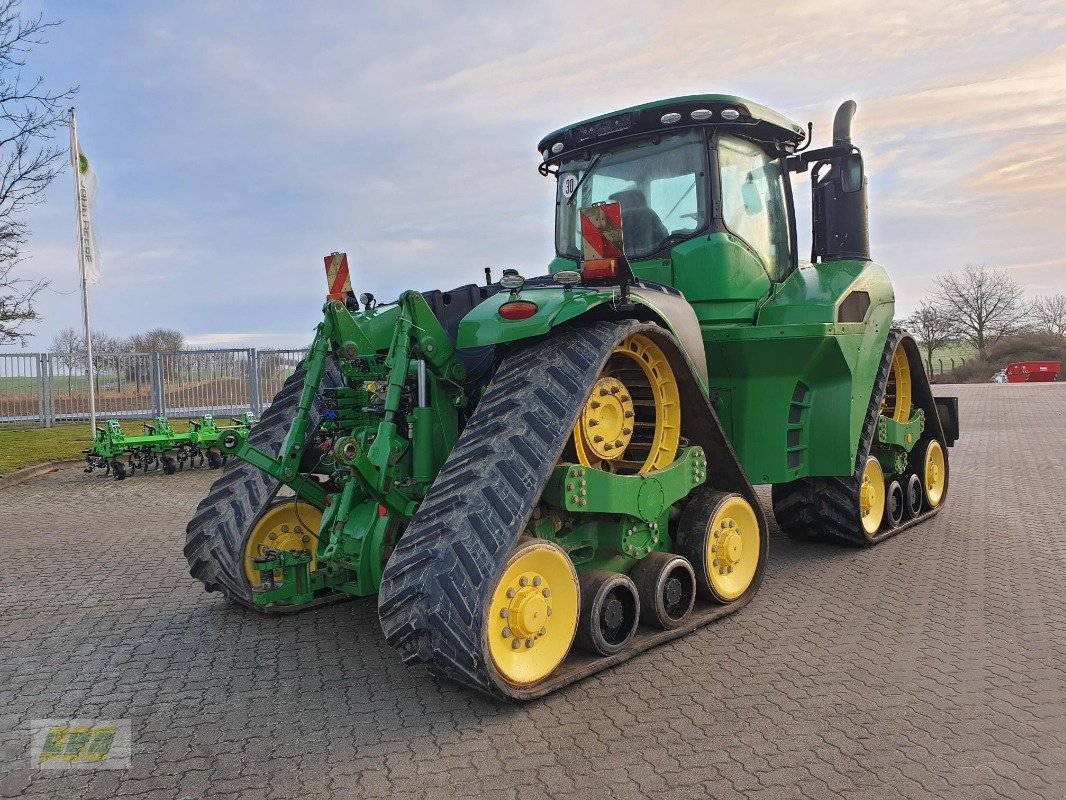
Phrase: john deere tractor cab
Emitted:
{"points": [[540, 478]]}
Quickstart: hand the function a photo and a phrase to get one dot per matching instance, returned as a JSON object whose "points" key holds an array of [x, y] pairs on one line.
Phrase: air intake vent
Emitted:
{"points": [[795, 432], [853, 308]]}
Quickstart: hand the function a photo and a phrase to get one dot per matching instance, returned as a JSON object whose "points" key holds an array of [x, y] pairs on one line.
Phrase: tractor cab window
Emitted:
{"points": [[753, 202], [661, 185]]}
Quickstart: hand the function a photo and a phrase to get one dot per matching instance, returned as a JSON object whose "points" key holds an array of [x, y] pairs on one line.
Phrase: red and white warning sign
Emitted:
{"points": [[340, 284], [601, 231]]}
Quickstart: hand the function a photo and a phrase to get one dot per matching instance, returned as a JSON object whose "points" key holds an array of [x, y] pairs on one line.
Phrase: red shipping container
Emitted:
{"points": [[1033, 371]]}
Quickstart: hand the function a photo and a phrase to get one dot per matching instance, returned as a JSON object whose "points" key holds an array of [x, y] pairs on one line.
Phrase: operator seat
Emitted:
{"points": [[642, 229]]}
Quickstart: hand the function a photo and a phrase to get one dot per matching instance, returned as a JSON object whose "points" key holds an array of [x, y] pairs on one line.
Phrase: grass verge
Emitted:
{"points": [[24, 447]]}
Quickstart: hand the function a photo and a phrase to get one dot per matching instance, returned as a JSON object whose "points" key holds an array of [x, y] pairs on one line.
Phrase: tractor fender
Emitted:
{"points": [[557, 306]]}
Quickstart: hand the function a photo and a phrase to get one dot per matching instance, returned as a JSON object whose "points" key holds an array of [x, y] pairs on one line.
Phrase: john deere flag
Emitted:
{"points": [[85, 183]]}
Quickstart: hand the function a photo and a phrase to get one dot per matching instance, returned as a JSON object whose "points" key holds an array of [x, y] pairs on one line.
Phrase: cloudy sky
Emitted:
{"points": [[237, 143]]}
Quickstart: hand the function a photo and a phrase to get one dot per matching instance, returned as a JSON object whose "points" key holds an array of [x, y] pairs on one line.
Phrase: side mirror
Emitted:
{"points": [[852, 175]]}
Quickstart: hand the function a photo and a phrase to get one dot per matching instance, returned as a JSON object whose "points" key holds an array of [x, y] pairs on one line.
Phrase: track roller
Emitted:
{"points": [[912, 505], [666, 585], [895, 504], [533, 614], [719, 534], [610, 612], [872, 497], [935, 474]]}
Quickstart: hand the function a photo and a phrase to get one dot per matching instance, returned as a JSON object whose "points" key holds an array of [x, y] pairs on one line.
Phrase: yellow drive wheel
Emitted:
{"points": [[872, 496], [732, 549], [897, 404], [934, 474], [631, 421], [285, 525], [532, 618]]}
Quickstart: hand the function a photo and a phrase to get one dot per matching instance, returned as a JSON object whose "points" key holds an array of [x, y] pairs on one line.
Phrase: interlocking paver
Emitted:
{"points": [[929, 666]]}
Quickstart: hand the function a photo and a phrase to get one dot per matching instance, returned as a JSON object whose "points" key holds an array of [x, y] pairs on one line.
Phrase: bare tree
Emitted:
{"points": [[157, 340], [983, 303], [1048, 314], [30, 116], [69, 349], [932, 327]]}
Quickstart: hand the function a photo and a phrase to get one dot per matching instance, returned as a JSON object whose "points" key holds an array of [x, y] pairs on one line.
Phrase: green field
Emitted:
{"points": [[25, 446]]}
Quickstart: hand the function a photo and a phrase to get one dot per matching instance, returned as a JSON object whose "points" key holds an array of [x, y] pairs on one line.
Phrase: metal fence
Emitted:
{"points": [[46, 388]]}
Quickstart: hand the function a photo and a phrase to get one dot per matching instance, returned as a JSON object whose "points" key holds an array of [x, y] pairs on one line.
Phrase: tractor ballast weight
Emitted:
{"points": [[540, 478]]}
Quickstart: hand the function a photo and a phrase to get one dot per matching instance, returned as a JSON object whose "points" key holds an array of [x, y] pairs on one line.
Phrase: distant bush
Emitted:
{"points": [[1023, 347], [1028, 347]]}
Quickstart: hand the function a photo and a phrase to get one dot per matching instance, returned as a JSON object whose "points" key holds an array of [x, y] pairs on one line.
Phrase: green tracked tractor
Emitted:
{"points": [[541, 478]]}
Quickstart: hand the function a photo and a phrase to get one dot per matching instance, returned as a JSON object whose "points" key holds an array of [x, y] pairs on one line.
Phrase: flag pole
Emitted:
{"points": [[79, 200]]}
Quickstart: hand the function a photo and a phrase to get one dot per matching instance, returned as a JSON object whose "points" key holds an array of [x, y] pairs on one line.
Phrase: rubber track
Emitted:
{"points": [[214, 537], [442, 571], [828, 508]]}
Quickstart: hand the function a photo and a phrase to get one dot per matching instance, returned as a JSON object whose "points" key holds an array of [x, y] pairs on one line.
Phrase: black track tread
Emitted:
{"points": [[214, 537], [828, 508], [431, 607]]}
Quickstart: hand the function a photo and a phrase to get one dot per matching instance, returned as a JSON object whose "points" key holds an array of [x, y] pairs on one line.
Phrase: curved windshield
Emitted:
{"points": [[662, 188]]}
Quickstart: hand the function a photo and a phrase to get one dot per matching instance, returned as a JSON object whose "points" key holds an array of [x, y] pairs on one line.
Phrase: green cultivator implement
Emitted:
{"points": [[540, 478], [160, 447]]}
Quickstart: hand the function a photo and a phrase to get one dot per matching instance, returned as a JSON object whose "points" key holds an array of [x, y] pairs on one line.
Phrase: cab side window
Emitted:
{"points": [[753, 202]]}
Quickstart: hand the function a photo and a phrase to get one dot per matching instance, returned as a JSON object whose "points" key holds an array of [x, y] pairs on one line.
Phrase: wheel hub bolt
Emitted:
{"points": [[515, 644], [511, 593], [542, 631], [506, 633], [505, 612], [523, 581], [537, 581], [547, 592], [529, 642]]}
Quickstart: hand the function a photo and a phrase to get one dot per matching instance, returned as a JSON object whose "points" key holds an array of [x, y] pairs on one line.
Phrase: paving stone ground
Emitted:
{"points": [[929, 666]]}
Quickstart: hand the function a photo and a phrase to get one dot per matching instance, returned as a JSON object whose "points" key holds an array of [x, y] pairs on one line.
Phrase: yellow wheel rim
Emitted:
{"points": [[532, 619], [872, 496], [936, 474], [732, 549], [897, 403], [631, 421], [285, 526]]}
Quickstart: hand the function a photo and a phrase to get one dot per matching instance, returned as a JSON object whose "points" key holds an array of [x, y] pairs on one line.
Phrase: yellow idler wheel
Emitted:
{"points": [[872, 496], [897, 403], [934, 474], [285, 525], [532, 619], [631, 421], [719, 533]]}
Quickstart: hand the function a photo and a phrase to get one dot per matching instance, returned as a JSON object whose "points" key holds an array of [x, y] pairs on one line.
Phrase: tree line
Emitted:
{"points": [[982, 306]]}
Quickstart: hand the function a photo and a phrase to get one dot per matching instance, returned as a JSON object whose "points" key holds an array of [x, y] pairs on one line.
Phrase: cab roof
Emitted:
{"points": [[724, 111]]}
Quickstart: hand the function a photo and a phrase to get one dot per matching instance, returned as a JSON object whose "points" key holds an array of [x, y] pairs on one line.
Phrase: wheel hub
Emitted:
{"points": [[607, 419], [867, 496], [932, 472], [613, 614], [527, 611], [731, 545], [282, 527]]}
